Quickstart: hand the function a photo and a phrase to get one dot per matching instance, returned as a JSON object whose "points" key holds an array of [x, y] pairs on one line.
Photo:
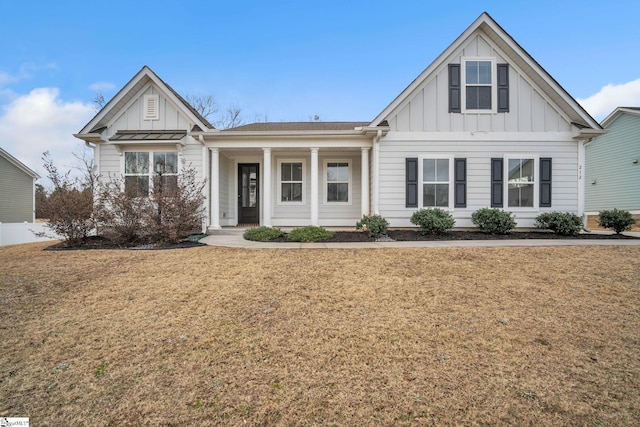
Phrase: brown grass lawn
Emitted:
{"points": [[214, 336]]}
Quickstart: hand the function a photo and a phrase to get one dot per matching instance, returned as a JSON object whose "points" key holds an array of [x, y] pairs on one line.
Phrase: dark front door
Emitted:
{"points": [[248, 193]]}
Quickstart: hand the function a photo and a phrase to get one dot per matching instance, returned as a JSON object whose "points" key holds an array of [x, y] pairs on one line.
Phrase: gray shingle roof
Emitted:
{"points": [[297, 126]]}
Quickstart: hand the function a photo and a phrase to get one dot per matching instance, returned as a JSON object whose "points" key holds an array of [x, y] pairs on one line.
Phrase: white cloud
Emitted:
{"points": [[612, 96], [40, 121], [102, 86]]}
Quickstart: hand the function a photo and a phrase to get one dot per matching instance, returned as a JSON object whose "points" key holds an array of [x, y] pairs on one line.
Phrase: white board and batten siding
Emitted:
{"points": [[422, 125]]}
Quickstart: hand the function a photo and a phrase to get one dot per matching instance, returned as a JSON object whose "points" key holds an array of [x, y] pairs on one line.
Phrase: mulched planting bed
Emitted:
{"points": [[99, 242], [402, 235]]}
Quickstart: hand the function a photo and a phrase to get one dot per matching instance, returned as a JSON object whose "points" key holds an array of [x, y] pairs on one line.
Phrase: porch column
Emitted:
{"points": [[314, 186], [215, 189], [376, 172], [266, 188], [364, 169]]}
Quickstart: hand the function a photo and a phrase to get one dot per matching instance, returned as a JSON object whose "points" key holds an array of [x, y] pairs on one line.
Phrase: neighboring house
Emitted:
{"points": [[484, 125], [613, 165], [17, 190]]}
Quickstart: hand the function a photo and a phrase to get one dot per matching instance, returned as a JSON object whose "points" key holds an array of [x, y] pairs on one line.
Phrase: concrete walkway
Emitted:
{"points": [[232, 238]]}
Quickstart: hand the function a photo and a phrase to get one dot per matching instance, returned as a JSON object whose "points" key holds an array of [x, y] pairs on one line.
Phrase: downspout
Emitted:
{"points": [[581, 189]]}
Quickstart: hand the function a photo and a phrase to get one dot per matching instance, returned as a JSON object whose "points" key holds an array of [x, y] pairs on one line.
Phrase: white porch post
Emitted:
{"points": [[364, 169], [266, 188], [314, 186], [215, 189], [206, 174], [376, 172]]}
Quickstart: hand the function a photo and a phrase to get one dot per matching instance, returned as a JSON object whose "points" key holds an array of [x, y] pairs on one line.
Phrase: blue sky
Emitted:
{"points": [[286, 60]]}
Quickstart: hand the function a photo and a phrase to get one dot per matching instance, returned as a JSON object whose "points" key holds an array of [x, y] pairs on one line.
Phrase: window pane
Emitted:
{"points": [[520, 195], [442, 195], [169, 183], [429, 170], [296, 172], [165, 162], [136, 163], [478, 97], [471, 71], [429, 195], [527, 170], [138, 185], [338, 192], [291, 192], [514, 170], [484, 72], [337, 171], [442, 170], [484, 98], [285, 170]]}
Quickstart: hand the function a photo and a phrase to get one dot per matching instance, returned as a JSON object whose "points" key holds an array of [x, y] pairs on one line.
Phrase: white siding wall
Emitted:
{"points": [[394, 150]]}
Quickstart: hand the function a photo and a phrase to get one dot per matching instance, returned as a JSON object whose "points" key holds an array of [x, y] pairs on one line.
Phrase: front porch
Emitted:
{"points": [[288, 187]]}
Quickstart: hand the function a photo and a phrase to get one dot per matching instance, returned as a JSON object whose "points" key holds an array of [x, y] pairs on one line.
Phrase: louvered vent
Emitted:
{"points": [[151, 107]]}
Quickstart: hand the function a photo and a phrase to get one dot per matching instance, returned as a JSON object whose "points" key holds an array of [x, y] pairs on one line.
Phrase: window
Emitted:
{"points": [[338, 181], [521, 182], [478, 84], [140, 167], [291, 181], [435, 182]]}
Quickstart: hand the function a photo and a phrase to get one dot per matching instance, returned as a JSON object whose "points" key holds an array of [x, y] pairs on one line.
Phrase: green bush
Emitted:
{"points": [[493, 221], [433, 221], [262, 234], [375, 225], [617, 220], [310, 233], [563, 223]]}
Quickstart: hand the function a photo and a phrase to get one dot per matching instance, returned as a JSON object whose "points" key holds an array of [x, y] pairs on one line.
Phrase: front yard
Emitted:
{"points": [[214, 336]]}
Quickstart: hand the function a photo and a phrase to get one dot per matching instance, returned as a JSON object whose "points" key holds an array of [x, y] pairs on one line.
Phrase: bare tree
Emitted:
{"points": [[208, 108], [206, 105], [98, 101], [86, 167]]}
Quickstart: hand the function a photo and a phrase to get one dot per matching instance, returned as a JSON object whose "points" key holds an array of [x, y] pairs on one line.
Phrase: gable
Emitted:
{"points": [[536, 102], [149, 109], [128, 109]]}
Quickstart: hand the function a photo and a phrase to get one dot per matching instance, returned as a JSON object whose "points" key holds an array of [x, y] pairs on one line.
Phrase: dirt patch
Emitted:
{"points": [[421, 336]]}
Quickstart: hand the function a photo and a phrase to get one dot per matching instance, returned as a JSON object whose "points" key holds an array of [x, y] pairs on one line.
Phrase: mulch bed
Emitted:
{"points": [[99, 242], [401, 235]]}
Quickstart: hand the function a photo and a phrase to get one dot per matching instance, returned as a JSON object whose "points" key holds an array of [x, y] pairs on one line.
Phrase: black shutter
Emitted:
{"points": [[497, 184], [503, 88], [545, 182], [454, 88], [412, 182], [460, 182]]}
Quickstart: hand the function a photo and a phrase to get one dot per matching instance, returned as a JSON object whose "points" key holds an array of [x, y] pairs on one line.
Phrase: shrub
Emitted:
{"points": [[121, 215], [262, 234], [617, 220], [433, 221], [375, 225], [69, 207], [563, 223], [310, 233], [493, 221]]}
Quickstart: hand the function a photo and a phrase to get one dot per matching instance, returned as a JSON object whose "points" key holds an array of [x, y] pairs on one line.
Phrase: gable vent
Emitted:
{"points": [[151, 106]]}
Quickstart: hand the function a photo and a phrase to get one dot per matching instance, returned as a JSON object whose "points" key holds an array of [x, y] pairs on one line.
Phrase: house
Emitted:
{"points": [[612, 165], [483, 126], [17, 190]]}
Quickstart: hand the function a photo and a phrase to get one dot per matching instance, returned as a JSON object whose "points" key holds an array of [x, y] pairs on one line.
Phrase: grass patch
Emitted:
{"points": [[450, 336]]}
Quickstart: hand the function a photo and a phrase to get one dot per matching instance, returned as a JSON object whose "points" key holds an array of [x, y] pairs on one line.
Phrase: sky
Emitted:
{"points": [[281, 60]]}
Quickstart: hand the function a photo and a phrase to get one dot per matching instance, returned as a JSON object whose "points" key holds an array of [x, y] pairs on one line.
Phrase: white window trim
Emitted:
{"points": [[325, 181], [156, 99], [494, 84], [152, 169], [421, 159], [536, 182], [304, 183]]}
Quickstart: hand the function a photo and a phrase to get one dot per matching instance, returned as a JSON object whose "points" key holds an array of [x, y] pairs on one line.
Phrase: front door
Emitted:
{"points": [[248, 193]]}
